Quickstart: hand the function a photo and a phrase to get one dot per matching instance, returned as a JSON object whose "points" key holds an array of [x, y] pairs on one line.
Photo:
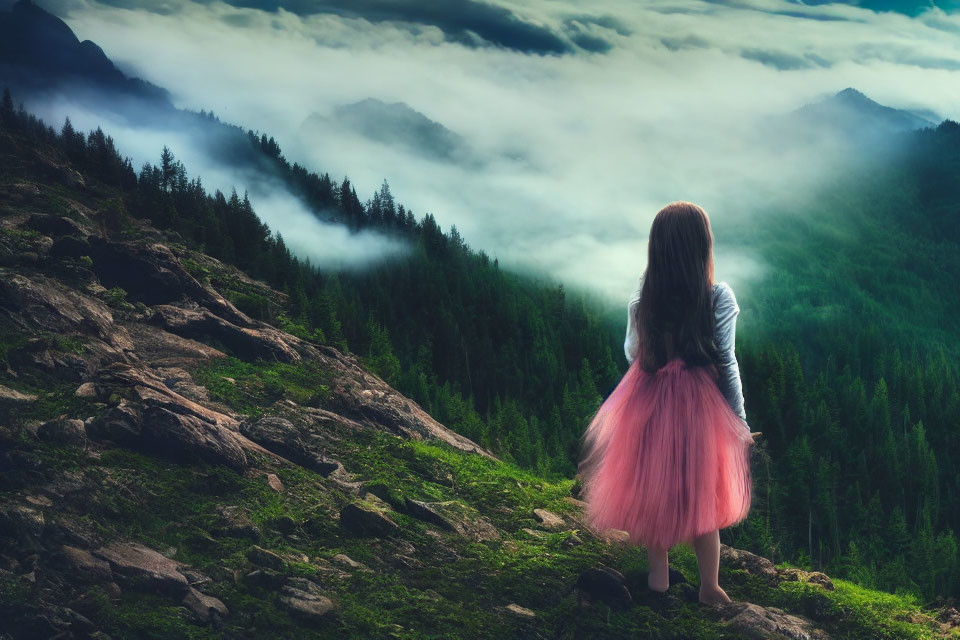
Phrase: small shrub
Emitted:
{"points": [[117, 297]]}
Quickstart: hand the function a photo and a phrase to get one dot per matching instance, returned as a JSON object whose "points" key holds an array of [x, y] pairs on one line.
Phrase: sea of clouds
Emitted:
{"points": [[581, 121]]}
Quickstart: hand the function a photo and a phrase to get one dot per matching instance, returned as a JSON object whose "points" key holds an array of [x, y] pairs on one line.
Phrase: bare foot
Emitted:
{"points": [[715, 595], [658, 582]]}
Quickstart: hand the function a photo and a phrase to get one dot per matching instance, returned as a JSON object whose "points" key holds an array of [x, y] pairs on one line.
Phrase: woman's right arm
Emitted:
{"points": [[726, 311]]}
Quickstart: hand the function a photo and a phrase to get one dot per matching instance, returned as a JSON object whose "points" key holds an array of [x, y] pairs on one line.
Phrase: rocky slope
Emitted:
{"points": [[170, 467]]}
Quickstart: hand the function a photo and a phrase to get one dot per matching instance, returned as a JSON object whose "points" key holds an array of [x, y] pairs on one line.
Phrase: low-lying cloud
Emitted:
{"points": [[575, 153], [323, 244]]}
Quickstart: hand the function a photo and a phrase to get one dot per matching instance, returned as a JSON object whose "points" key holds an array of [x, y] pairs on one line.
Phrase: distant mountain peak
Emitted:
{"points": [[853, 110], [850, 92], [400, 125]]}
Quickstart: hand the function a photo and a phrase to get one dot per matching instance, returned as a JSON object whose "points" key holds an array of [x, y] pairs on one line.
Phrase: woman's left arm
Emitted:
{"points": [[631, 343]]}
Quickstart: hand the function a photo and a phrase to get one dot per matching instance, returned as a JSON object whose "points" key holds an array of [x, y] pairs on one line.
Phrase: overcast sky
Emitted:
{"points": [[575, 122]]}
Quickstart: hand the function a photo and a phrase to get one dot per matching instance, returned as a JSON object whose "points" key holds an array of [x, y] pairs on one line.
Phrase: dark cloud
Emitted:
{"points": [[473, 23], [593, 44], [607, 22], [819, 17], [590, 33], [784, 61], [686, 42], [906, 7], [468, 22]]}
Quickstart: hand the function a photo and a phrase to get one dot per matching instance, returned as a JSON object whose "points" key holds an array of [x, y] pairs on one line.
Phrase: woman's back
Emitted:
{"points": [[725, 312]]}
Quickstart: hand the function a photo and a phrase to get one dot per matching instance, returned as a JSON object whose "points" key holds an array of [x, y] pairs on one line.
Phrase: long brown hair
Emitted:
{"points": [[675, 314]]}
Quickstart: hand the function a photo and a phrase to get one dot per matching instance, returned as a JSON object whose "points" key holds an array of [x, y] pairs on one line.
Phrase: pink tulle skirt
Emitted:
{"points": [[665, 458]]}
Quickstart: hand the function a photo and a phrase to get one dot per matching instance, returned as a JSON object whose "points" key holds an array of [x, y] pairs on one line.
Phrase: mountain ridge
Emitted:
{"points": [[37, 49]]}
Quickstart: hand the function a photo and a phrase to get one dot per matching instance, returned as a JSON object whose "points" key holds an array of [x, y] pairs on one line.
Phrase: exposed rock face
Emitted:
{"points": [[303, 442], [366, 521], [39, 303], [63, 431], [749, 562], [159, 419], [367, 399], [173, 434], [85, 566], [177, 313], [274, 482], [141, 567], [248, 343], [548, 519], [12, 398], [311, 607], [265, 558], [817, 578], [426, 512], [453, 515], [760, 566], [347, 561], [205, 608], [769, 623]]}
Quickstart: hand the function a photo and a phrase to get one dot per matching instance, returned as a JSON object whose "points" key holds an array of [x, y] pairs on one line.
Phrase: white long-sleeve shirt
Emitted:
{"points": [[725, 312]]}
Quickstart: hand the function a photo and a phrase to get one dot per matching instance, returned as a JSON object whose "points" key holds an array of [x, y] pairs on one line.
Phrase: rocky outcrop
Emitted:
{"points": [[749, 562], [177, 314], [84, 566], [142, 568], [63, 431], [39, 303], [302, 442], [768, 623], [454, 516], [248, 343], [265, 558], [365, 398], [205, 608], [549, 520], [365, 520], [428, 513], [522, 612], [817, 578], [761, 567], [151, 416], [19, 522], [305, 600]]}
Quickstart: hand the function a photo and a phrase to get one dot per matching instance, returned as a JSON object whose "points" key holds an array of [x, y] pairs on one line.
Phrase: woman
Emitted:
{"points": [[666, 457]]}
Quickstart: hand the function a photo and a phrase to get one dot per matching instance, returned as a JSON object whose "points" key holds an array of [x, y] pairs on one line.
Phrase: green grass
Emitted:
{"points": [[249, 387], [460, 589]]}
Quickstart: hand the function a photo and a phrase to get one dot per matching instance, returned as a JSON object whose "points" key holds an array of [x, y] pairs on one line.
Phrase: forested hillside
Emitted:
{"points": [[511, 362], [848, 348], [847, 344]]}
